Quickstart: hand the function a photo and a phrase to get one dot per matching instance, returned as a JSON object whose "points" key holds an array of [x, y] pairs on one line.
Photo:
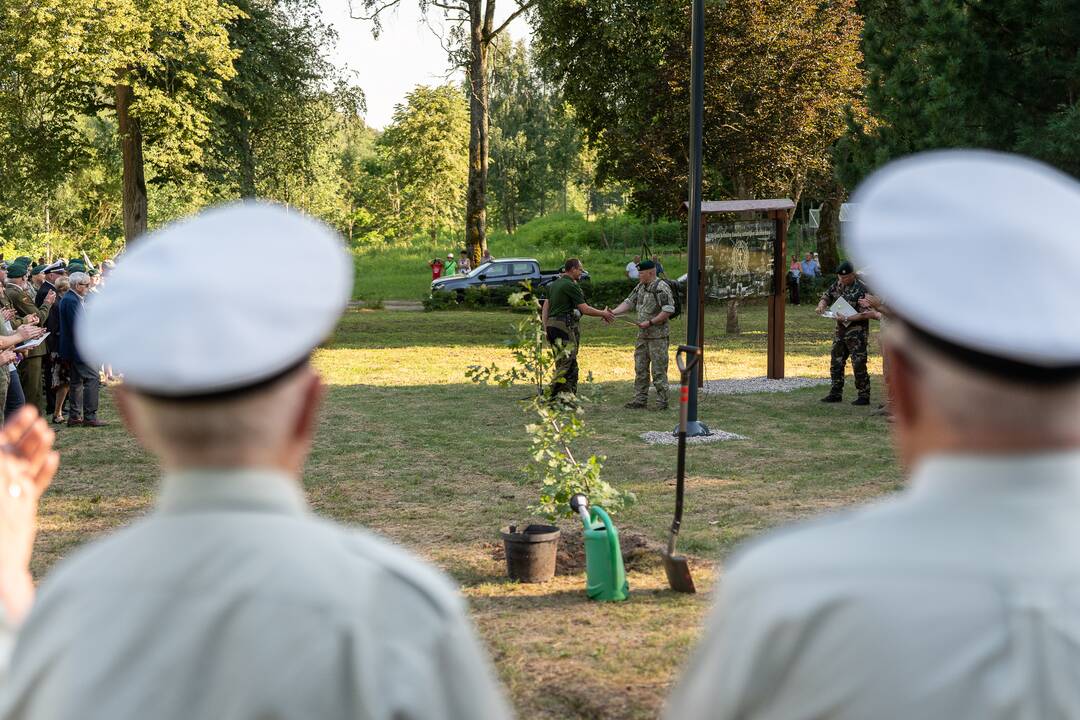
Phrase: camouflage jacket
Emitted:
{"points": [[853, 293], [650, 301]]}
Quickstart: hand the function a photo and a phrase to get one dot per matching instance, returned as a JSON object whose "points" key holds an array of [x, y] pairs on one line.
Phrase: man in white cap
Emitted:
{"points": [[230, 599], [959, 597]]}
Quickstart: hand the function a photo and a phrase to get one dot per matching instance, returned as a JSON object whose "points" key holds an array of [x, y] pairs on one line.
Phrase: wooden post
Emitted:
{"points": [[777, 299]]}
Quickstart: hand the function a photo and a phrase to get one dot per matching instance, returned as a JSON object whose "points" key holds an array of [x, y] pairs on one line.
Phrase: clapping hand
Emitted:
{"points": [[31, 320], [27, 466], [50, 297], [8, 313]]}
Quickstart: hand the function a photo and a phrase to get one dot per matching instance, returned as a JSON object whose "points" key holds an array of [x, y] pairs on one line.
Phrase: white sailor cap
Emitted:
{"points": [[178, 323], [975, 251], [56, 267]]}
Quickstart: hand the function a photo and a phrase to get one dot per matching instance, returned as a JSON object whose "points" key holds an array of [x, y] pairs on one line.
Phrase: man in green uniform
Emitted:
{"points": [[21, 296], [850, 337], [653, 302], [564, 304]]}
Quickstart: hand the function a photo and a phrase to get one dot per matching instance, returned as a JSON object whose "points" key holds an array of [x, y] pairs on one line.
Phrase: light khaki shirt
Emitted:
{"points": [[649, 301], [233, 601], [959, 598]]}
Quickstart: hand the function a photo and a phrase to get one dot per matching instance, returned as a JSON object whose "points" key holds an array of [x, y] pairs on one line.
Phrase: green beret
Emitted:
{"points": [[845, 268], [91, 272], [16, 270], [646, 265], [24, 259], [76, 267], [38, 269]]}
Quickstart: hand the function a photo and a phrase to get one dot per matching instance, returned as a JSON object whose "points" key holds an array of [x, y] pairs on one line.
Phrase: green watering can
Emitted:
{"points": [[605, 574]]}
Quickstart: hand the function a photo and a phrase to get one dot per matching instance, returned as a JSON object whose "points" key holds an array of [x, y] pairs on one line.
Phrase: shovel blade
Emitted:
{"points": [[678, 573]]}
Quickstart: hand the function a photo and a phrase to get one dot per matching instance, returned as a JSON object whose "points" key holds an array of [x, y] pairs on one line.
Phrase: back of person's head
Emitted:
{"points": [[239, 392], [62, 285], [570, 264], [997, 371]]}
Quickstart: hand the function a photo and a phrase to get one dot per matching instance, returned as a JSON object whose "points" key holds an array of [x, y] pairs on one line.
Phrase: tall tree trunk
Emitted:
{"points": [[732, 325], [247, 162], [134, 182], [476, 200], [829, 229]]}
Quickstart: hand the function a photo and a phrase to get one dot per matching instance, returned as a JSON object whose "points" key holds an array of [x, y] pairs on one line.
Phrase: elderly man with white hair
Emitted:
{"points": [[85, 382], [960, 596], [231, 599]]}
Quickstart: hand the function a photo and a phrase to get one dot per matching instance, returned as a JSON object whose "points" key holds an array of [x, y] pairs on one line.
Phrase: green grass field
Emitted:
{"points": [[409, 448]]}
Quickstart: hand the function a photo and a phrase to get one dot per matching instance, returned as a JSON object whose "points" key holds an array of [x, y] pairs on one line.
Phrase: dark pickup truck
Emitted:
{"points": [[505, 271]]}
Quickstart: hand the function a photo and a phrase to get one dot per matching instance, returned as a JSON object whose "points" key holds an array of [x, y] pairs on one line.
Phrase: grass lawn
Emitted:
{"points": [[409, 448]]}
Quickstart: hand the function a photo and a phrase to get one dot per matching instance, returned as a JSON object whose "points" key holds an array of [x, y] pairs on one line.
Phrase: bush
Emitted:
{"points": [[571, 230], [474, 298], [607, 292]]}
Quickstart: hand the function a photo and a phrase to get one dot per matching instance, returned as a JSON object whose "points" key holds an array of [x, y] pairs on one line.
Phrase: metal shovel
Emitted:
{"points": [[676, 566]]}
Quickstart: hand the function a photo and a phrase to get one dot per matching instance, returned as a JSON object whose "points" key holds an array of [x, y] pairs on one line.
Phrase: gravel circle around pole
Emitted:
{"points": [[749, 386], [668, 438]]}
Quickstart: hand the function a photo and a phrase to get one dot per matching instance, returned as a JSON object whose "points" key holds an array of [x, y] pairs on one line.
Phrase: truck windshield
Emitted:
{"points": [[481, 268]]}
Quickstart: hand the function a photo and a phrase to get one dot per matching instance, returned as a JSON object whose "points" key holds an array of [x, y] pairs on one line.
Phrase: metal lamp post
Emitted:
{"points": [[695, 428]]}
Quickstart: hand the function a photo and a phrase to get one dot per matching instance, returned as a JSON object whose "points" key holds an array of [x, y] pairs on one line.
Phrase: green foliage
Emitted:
{"points": [[423, 161], [559, 422], [572, 230], [607, 293], [779, 77], [998, 74], [400, 270], [538, 162], [283, 103], [234, 97], [476, 298]]}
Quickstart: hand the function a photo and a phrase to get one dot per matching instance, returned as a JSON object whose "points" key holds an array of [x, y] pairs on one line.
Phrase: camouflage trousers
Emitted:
{"points": [[850, 344], [651, 352], [566, 337]]}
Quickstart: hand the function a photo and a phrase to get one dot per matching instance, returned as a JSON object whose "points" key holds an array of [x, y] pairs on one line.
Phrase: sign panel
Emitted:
{"points": [[739, 258]]}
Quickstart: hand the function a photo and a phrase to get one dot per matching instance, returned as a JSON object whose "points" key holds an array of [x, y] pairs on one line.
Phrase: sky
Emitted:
{"points": [[406, 54]]}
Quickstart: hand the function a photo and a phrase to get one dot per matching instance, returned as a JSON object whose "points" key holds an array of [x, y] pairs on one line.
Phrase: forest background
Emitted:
{"points": [[120, 115]]}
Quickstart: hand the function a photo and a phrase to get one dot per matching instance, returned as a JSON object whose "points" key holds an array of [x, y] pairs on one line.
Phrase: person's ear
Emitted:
{"points": [[310, 401], [903, 398], [125, 405]]}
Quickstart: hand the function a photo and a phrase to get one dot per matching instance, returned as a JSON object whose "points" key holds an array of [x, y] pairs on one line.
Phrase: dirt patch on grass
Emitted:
{"points": [[640, 552]]}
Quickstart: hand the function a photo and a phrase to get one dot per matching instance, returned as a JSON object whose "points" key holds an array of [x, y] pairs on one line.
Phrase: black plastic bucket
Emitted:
{"points": [[530, 552]]}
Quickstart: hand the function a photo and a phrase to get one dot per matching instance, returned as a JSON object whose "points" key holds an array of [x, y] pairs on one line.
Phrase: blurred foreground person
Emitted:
{"points": [[957, 598], [231, 599]]}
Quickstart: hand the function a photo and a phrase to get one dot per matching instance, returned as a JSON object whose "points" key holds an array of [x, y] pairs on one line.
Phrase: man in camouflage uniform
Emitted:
{"points": [[851, 335], [651, 299], [563, 306]]}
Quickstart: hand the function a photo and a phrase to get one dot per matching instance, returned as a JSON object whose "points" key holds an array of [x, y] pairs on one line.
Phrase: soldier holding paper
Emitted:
{"points": [[850, 339]]}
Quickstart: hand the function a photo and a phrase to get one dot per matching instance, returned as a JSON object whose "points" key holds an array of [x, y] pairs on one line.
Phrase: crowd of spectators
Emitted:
{"points": [[40, 307]]}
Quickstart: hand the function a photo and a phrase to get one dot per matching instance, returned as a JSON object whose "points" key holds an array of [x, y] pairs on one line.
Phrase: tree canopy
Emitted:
{"points": [[780, 75], [999, 74]]}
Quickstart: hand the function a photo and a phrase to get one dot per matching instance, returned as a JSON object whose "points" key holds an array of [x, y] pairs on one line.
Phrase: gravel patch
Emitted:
{"points": [[749, 386], [667, 438]]}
